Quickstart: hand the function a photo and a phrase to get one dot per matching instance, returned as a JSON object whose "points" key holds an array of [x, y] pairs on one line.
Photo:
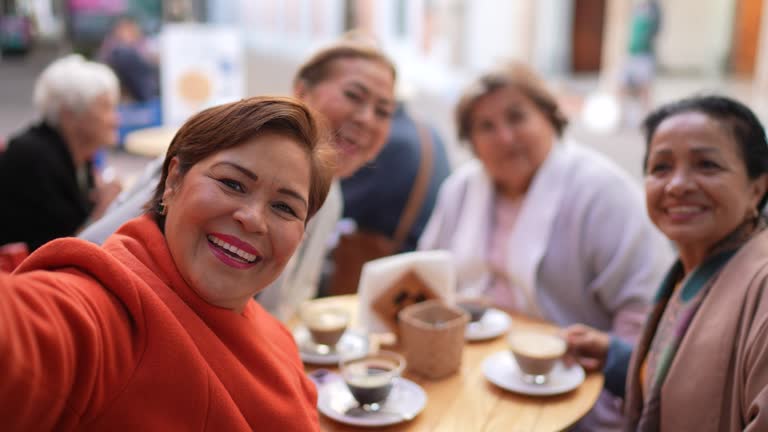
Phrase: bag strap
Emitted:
{"points": [[419, 188]]}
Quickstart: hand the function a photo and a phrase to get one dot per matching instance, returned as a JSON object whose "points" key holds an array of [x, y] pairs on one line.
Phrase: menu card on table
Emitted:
{"points": [[389, 284]]}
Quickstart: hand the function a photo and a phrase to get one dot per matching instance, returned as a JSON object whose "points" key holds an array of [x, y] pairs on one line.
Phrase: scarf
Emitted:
{"points": [[674, 311]]}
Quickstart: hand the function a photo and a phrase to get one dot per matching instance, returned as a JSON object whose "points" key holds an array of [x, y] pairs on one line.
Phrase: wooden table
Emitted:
{"points": [[466, 401]]}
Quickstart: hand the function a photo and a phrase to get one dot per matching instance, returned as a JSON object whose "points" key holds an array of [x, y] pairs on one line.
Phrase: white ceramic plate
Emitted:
{"points": [[352, 344], [501, 369], [406, 400], [493, 324]]}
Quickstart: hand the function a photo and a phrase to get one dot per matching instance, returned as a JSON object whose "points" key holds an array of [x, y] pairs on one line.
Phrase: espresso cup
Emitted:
{"points": [[326, 324], [474, 305], [370, 378], [536, 353]]}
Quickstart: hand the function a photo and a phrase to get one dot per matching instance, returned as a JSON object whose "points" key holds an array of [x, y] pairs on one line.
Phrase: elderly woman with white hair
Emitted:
{"points": [[48, 188]]}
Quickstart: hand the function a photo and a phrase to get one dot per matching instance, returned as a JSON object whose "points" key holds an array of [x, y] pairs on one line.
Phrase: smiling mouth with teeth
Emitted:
{"points": [[234, 252]]}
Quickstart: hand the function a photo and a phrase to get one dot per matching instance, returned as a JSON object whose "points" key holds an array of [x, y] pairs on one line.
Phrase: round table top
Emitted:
{"points": [[467, 401], [150, 141]]}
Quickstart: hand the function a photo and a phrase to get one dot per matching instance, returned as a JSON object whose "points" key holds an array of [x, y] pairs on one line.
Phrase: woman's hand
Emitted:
{"points": [[587, 346]]}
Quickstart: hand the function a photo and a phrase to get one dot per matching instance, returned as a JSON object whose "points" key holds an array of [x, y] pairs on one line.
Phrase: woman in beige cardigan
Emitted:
{"points": [[702, 362]]}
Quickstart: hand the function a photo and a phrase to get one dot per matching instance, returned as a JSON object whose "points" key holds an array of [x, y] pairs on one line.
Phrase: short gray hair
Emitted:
{"points": [[72, 83]]}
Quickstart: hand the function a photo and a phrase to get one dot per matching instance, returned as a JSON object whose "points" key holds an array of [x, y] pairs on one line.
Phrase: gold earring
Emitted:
{"points": [[162, 208]]}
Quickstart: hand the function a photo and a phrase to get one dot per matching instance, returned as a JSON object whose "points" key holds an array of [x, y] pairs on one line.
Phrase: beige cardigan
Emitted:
{"points": [[718, 381]]}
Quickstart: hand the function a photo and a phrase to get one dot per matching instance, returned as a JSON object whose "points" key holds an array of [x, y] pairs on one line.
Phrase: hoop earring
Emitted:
{"points": [[162, 208]]}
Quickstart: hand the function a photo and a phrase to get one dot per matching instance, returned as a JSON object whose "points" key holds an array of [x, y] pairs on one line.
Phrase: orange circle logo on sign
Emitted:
{"points": [[194, 86]]}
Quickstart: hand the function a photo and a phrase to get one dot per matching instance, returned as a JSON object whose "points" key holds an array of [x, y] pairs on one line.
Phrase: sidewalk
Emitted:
{"points": [[17, 83]]}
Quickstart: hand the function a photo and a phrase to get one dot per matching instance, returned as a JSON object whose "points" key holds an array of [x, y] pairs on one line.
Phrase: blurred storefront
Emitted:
{"points": [[438, 44], [558, 36], [16, 27], [88, 21], [83, 23]]}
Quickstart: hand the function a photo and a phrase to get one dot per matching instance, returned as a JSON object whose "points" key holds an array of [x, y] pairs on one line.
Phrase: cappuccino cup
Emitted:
{"points": [[370, 379], [536, 353], [326, 324]]}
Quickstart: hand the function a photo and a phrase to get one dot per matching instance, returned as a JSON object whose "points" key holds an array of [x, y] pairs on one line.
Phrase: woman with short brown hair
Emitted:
{"points": [[197, 139], [157, 329]]}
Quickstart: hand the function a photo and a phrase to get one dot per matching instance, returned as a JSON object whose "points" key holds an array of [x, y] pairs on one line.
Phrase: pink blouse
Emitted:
{"points": [[502, 289]]}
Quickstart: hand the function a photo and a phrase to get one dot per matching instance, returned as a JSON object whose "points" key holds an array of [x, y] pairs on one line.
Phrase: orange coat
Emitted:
{"points": [[113, 339]]}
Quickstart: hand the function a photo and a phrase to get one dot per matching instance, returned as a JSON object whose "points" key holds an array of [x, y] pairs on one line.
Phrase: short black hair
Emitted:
{"points": [[731, 114]]}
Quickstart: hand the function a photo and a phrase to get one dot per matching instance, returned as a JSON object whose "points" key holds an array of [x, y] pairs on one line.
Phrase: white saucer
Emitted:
{"points": [[501, 369], [406, 400], [493, 324], [352, 344]]}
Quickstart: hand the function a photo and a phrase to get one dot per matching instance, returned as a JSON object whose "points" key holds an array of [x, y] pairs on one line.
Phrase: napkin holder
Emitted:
{"points": [[409, 289], [389, 284], [432, 338]]}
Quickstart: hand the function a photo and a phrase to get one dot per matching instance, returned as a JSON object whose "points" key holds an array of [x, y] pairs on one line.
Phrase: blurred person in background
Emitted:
{"points": [[350, 83], [390, 209], [48, 187], [157, 329], [640, 67], [402, 154], [543, 226], [129, 53], [701, 363]]}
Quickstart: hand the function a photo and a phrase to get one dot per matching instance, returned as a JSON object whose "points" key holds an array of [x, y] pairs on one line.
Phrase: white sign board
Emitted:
{"points": [[200, 66]]}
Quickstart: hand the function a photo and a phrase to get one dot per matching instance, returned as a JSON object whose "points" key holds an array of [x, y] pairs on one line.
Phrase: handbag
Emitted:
{"points": [[361, 246]]}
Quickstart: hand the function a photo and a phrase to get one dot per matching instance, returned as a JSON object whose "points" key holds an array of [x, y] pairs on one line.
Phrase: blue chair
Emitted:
{"points": [[138, 115]]}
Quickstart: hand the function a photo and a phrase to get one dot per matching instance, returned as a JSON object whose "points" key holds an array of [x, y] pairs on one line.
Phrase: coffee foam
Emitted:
{"points": [[326, 320], [369, 381], [358, 374], [537, 345]]}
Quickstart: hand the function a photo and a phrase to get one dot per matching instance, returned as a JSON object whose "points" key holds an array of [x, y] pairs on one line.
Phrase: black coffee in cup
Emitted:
{"points": [[370, 379], [374, 387]]}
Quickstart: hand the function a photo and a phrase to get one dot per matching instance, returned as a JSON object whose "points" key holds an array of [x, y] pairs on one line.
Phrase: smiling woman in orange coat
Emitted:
{"points": [[157, 329]]}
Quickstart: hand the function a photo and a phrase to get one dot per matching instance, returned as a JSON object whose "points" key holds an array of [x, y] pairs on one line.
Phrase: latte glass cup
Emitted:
{"points": [[326, 324], [536, 353]]}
